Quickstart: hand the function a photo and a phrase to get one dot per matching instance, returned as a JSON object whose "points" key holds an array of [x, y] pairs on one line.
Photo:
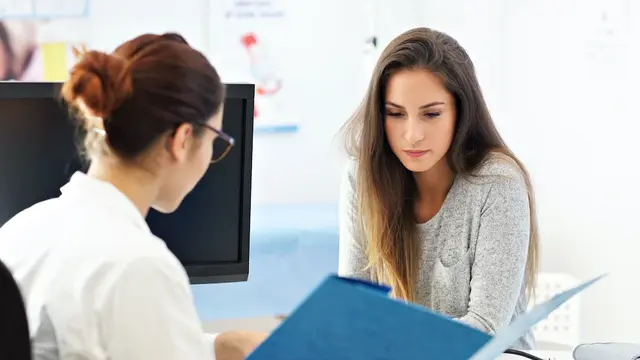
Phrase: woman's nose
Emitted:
{"points": [[413, 132]]}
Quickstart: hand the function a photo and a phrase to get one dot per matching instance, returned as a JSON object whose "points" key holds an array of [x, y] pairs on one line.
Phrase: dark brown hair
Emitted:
{"points": [[384, 184], [147, 87]]}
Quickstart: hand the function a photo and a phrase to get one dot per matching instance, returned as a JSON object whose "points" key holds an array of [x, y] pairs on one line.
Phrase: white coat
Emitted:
{"points": [[97, 283]]}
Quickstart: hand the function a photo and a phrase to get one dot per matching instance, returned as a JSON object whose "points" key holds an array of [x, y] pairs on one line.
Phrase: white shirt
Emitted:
{"points": [[97, 283]]}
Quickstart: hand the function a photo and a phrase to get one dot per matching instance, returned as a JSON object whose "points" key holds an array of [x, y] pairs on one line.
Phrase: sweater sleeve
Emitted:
{"points": [[352, 257], [499, 264]]}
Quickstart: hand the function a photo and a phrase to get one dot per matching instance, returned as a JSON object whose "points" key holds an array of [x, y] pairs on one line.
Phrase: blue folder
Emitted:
{"points": [[348, 319]]}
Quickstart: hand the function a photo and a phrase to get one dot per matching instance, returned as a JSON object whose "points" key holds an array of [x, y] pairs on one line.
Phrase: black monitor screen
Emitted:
{"points": [[209, 233]]}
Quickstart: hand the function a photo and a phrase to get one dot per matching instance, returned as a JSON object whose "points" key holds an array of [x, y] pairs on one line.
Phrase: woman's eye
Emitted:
{"points": [[432, 115], [393, 114]]}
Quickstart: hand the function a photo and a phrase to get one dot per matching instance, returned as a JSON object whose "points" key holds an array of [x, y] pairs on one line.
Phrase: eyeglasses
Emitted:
{"points": [[222, 144]]}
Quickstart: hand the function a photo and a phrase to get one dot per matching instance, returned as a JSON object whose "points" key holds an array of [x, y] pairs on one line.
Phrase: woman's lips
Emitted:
{"points": [[415, 153]]}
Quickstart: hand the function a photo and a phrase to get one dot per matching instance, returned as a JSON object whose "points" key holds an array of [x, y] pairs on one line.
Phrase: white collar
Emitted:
{"points": [[103, 194]]}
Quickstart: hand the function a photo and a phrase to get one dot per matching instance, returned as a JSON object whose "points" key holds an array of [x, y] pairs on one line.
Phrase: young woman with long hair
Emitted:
{"points": [[435, 204]]}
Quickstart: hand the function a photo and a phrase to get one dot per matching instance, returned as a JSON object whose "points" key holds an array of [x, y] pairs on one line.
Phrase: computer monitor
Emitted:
{"points": [[209, 233]]}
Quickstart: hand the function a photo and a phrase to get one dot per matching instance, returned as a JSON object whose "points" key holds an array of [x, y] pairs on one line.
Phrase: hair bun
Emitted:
{"points": [[98, 84]]}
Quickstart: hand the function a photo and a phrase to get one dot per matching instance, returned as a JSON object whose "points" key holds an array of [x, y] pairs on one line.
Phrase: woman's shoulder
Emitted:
{"points": [[349, 173], [497, 175], [498, 183], [351, 166], [499, 167]]}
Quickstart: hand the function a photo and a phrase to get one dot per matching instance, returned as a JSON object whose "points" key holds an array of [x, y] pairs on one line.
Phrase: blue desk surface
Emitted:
{"points": [[293, 247]]}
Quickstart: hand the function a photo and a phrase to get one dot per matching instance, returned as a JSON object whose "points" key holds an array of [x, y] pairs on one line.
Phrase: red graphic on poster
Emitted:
{"points": [[268, 83]]}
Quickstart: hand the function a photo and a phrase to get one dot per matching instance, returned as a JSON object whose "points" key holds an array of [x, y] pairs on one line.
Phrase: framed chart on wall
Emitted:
{"points": [[247, 44], [43, 9], [37, 38]]}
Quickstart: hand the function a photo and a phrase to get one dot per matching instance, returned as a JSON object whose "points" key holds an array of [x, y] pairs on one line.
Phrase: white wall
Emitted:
{"points": [[325, 71], [572, 120], [114, 21]]}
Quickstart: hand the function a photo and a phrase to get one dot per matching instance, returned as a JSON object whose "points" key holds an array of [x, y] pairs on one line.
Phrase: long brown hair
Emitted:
{"points": [[386, 189]]}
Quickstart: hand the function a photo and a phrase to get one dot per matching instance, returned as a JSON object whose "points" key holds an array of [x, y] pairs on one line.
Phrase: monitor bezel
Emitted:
{"points": [[198, 274]]}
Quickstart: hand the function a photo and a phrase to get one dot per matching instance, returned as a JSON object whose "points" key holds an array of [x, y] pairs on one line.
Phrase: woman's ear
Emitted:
{"points": [[180, 143]]}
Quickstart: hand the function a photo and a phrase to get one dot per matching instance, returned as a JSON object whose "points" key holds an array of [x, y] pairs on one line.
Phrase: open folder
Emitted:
{"points": [[348, 319]]}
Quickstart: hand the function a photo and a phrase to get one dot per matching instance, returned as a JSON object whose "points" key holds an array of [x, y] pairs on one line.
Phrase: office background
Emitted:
{"points": [[559, 77]]}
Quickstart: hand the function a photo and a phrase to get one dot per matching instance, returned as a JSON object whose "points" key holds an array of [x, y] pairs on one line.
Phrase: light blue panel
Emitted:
{"points": [[276, 129], [293, 248]]}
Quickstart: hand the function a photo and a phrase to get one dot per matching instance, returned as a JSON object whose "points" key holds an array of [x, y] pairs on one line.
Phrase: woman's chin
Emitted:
{"points": [[167, 207], [418, 165]]}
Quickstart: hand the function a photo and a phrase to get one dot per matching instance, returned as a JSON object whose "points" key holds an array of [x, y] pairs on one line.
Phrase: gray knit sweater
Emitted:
{"points": [[474, 251]]}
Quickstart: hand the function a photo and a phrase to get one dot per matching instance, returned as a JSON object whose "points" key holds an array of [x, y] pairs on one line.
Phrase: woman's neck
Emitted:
{"points": [[435, 182], [136, 184], [433, 186]]}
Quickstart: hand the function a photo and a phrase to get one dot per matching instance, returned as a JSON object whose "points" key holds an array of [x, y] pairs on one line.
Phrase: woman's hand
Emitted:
{"points": [[237, 345]]}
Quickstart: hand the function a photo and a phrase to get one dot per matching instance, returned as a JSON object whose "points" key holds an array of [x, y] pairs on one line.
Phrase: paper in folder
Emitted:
{"points": [[347, 319]]}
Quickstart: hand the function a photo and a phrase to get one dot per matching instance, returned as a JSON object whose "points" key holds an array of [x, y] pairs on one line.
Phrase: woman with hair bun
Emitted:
{"points": [[97, 283]]}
